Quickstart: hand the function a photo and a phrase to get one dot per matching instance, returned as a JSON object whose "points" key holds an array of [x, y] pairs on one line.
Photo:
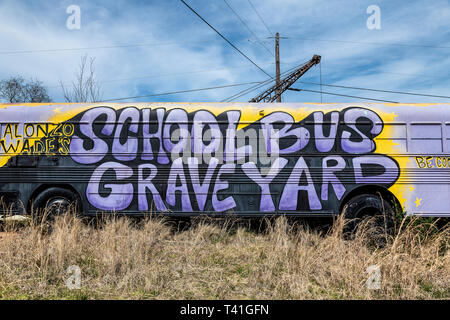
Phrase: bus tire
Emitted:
{"points": [[373, 207], [55, 201]]}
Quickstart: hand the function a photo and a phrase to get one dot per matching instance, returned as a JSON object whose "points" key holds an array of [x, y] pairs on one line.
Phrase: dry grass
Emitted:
{"points": [[150, 259]]}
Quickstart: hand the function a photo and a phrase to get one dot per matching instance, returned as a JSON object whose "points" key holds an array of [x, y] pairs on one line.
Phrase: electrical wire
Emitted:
{"points": [[341, 95], [253, 88], [181, 91], [371, 43], [260, 18], [165, 75], [100, 47], [248, 28], [224, 38], [245, 91], [377, 90]]}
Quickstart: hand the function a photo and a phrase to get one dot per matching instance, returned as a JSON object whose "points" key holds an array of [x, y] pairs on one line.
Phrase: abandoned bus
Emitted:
{"points": [[244, 159]]}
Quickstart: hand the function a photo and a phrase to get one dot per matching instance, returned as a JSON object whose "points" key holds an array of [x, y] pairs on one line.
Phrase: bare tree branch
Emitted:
{"points": [[85, 87]]}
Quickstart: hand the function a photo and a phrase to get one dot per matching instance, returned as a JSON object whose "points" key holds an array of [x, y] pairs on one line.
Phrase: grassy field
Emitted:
{"points": [[152, 258]]}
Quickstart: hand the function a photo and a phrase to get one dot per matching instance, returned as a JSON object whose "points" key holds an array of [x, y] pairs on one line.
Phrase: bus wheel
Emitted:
{"points": [[373, 214], [55, 201]]}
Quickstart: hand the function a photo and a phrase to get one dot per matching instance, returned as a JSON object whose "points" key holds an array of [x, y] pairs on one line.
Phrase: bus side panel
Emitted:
{"points": [[263, 159]]}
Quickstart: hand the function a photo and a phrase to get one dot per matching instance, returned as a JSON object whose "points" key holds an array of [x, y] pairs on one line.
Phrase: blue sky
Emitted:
{"points": [[179, 52]]}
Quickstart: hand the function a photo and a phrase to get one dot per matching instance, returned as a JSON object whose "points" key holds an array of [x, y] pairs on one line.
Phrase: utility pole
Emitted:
{"points": [[277, 65]]}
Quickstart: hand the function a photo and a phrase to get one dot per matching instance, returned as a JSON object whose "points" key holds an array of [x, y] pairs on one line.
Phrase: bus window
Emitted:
{"points": [[425, 138]]}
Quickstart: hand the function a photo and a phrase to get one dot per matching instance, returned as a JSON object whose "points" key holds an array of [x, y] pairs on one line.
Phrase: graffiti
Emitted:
{"points": [[198, 162], [239, 158], [36, 138], [432, 162]]}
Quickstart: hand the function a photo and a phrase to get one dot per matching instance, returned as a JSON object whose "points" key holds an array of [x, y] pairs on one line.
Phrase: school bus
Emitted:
{"points": [[244, 159]]}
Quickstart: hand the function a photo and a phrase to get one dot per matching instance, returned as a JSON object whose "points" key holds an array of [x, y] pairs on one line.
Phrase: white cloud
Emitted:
{"points": [[194, 47]]}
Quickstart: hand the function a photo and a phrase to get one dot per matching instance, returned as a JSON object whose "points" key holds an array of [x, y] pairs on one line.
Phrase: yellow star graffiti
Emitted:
{"points": [[417, 202], [57, 110]]}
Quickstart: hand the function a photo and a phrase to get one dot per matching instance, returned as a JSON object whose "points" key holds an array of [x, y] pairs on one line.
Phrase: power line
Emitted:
{"points": [[248, 28], [99, 47], [181, 91], [377, 90], [253, 88], [248, 90], [166, 75], [376, 71], [341, 95], [368, 71], [371, 43], [260, 18], [223, 37]]}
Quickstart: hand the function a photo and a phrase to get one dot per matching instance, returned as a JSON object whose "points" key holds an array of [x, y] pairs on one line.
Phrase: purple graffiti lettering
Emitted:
{"points": [[100, 148], [389, 176], [177, 172], [251, 170], [289, 198], [146, 183], [147, 153], [325, 144], [201, 188], [227, 203], [272, 136], [365, 144], [121, 194], [150, 141], [128, 150], [231, 152], [179, 118], [328, 176], [202, 119]]}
